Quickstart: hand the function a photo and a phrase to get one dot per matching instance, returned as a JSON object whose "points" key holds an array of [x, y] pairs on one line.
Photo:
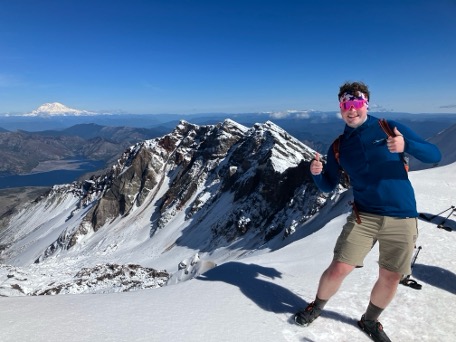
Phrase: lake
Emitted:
{"points": [[50, 173]]}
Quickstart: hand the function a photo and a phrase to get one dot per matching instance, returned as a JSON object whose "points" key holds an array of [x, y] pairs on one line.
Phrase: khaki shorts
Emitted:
{"points": [[396, 237]]}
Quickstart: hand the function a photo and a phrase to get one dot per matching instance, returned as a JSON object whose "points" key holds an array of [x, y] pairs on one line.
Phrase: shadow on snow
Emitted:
{"points": [[435, 276], [439, 219], [254, 281]]}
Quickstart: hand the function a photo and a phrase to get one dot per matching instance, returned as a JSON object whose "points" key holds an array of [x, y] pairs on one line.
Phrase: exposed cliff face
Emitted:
{"points": [[261, 174], [181, 158], [204, 187], [264, 169]]}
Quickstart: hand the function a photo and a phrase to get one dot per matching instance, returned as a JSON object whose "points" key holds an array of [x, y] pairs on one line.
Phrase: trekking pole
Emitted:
{"points": [[411, 282], [442, 224], [452, 208], [446, 218], [415, 256]]}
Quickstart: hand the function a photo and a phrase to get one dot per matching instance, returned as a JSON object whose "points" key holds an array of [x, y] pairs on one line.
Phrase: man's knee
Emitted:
{"points": [[339, 269], [389, 277]]}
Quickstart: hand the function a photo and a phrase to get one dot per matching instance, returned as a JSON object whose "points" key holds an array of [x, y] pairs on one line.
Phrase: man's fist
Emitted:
{"points": [[316, 167], [396, 144]]}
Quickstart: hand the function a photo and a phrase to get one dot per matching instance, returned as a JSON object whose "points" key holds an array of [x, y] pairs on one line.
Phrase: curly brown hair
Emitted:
{"points": [[354, 88]]}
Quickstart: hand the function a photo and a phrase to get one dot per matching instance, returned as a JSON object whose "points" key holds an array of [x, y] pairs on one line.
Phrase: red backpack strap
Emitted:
{"points": [[386, 127], [390, 133], [336, 148]]}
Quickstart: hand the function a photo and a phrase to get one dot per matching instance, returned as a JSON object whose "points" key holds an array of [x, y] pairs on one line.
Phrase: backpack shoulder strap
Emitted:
{"points": [[386, 127], [390, 133], [336, 148]]}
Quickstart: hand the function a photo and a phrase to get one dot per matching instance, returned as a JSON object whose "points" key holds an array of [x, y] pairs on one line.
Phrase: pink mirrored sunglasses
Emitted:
{"points": [[356, 104]]}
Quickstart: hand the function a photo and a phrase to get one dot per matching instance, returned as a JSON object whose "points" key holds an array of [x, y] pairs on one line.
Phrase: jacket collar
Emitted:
{"points": [[349, 131]]}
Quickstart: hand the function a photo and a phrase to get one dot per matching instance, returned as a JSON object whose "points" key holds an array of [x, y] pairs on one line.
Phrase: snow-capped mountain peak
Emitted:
{"points": [[57, 109], [198, 188]]}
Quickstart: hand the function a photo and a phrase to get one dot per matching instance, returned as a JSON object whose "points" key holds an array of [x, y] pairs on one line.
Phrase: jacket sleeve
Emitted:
{"points": [[330, 177], [417, 146]]}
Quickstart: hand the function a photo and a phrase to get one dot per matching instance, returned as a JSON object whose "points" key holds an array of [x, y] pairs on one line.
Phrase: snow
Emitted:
{"points": [[251, 295], [284, 155], [56, 109]]}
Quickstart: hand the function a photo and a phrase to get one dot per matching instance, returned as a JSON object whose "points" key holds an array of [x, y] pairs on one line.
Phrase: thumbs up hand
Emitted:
{"points": [[396, 144], [316, 166]]}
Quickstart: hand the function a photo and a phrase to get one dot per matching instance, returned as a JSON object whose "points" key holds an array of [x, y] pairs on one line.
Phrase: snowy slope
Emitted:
{"points": [[252, 297], [217, 191]]}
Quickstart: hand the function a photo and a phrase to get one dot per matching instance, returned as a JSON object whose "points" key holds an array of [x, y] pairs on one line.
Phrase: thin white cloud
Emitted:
{"points": [[299, 114], [373, 107], [280, 115]]}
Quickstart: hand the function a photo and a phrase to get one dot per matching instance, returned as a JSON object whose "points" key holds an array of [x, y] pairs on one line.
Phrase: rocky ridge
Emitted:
{"points": [[229, 184]]}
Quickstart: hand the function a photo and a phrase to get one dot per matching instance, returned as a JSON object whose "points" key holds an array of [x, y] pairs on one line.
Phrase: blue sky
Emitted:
{"points": [[195, 56]]}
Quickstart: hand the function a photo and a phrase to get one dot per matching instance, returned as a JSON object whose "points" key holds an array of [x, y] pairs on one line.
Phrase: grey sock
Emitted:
{"points": [[320, 303], [372, 312]]}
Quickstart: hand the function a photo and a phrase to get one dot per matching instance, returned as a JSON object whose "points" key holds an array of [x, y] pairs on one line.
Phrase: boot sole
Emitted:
{"points": [[373, 338], [298, 323], [361, 326]]}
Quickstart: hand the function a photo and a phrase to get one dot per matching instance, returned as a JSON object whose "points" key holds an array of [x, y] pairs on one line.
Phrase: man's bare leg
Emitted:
{"points": [[330, 281], [332, 278], [383, 291]]}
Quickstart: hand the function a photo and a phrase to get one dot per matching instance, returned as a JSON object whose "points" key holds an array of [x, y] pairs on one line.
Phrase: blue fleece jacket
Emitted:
{"points": [[379, 180]]}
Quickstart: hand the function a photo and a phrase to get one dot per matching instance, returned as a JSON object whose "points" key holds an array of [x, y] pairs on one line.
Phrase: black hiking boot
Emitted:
{"points": [[310, 313], [374, 329]]}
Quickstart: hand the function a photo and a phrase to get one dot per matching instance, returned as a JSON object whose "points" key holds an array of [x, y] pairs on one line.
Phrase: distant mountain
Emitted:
{"points": [[445, 141], [57, 109], [60, 122], [22, 151]]}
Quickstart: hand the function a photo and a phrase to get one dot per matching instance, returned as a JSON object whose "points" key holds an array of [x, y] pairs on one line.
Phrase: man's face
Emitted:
{"points": [[352, 115]]}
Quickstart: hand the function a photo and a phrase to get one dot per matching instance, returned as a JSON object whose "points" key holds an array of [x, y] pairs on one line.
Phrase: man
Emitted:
{"points": [[384, 207]]}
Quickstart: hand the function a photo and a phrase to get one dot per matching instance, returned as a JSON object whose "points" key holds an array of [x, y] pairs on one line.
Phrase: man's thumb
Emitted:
{"points": [[396, 131], [317, 156]]}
